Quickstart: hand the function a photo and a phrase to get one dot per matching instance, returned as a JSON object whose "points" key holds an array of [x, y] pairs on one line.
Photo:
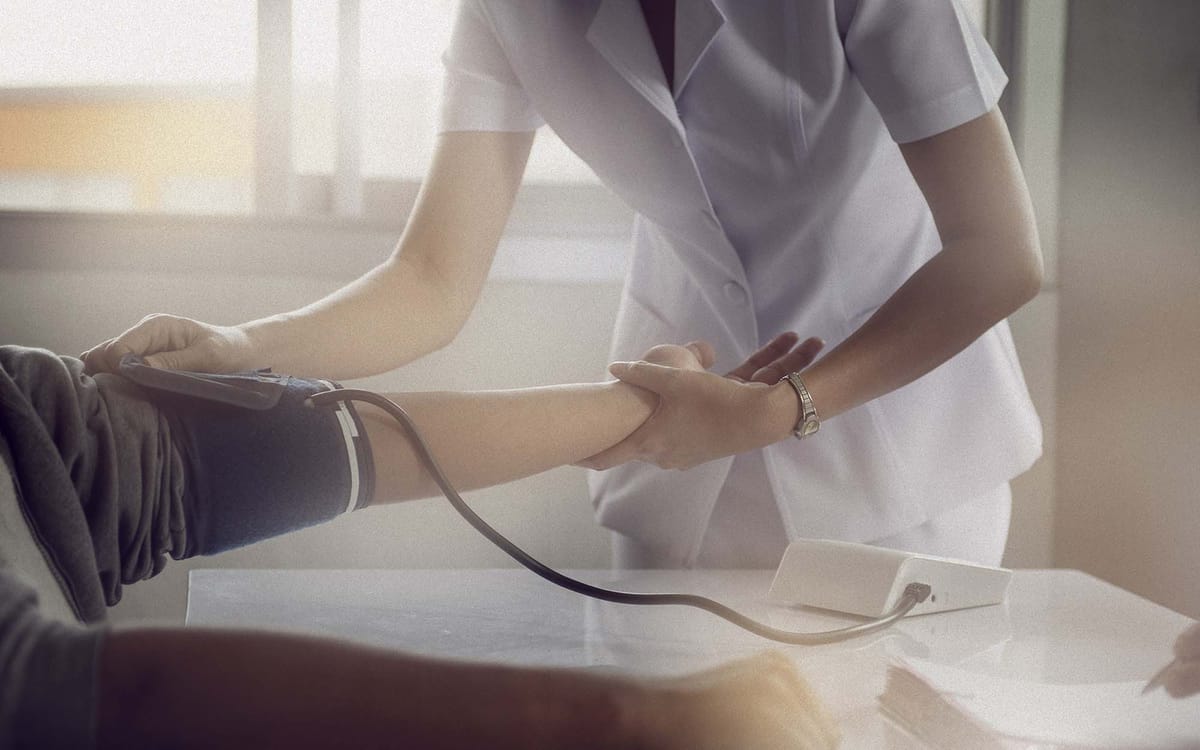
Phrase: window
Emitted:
{"points": [[401, 93], [175, 107], [106, 106]]}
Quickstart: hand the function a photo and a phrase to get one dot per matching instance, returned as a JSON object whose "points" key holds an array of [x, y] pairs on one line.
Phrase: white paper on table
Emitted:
{"points": [[1094, 715]]}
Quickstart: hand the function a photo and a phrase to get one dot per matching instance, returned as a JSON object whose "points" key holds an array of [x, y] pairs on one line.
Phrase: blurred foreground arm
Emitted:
{"points": [[241, 689], [1183, 678]]}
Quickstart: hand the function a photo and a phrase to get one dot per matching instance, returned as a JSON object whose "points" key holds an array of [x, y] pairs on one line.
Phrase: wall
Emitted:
{"points": [[1035, 96], [1129, 398]]}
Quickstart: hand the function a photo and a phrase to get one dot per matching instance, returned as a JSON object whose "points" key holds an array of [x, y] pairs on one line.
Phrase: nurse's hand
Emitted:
{"points": [[701, 415], [1183, 678], [761, 702], [175, 343]]}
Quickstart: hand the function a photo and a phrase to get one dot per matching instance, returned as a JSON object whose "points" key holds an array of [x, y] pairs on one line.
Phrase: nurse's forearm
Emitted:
{"points": [[989, 266], [416, 301], [490, 437], [937, 313], [393, 315]]}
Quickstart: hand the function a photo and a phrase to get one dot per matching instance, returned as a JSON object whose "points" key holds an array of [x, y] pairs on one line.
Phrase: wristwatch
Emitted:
{"points": [[809, 422]]}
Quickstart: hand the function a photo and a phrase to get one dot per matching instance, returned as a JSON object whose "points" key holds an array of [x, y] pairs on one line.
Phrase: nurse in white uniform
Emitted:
{"points": [[833, 167]]}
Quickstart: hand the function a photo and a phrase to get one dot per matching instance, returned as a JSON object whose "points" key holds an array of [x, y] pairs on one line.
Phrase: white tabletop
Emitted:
{"points": [[1058, 626]]}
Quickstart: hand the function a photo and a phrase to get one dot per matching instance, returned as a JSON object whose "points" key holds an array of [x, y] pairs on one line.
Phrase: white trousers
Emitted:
{"points": [[746, 530]]}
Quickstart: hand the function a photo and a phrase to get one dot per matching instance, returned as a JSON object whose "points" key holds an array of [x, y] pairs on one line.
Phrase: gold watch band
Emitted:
{"points": [[809, 422]]}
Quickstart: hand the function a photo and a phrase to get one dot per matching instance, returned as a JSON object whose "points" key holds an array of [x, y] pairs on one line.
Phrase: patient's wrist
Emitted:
{"points": [[782, 412], [640, 402]]}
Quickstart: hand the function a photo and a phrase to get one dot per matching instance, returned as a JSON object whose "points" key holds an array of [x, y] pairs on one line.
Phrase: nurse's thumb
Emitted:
{"points": [[657, 378]]}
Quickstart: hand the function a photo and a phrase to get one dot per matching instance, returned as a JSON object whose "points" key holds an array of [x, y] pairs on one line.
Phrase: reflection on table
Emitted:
{"points": [[1058, 627]]}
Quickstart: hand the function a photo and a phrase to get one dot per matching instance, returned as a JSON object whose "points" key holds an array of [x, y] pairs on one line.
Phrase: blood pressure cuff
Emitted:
{"points": [[258, 459]]}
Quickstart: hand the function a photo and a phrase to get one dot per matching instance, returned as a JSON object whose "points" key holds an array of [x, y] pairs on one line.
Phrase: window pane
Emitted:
{"points": [[148, 105], [132, 105], [402, 45], [72, 43], [314, 81]]}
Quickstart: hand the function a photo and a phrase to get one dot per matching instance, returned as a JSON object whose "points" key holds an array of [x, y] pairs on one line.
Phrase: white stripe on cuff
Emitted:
{"points": [[349, 432]]}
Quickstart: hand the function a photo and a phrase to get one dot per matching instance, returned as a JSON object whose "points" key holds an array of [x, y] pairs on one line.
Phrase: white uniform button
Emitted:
{"points": [[735, 293]]}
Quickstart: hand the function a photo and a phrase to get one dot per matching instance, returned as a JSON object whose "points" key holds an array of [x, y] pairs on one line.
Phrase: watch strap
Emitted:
{"points": [[808, 422]]}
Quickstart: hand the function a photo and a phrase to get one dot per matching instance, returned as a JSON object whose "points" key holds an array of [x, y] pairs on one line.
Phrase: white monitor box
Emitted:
{"points": [[864, 580]]}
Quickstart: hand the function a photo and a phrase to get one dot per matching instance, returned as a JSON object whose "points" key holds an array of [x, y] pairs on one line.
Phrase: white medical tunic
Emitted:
{"points": [[770, 195]]}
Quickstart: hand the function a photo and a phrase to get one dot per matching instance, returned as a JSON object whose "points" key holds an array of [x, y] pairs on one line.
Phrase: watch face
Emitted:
{"points": [[808, 428]]}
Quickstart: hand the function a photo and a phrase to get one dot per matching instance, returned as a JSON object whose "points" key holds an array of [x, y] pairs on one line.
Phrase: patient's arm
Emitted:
{"points": [[490, 437]]}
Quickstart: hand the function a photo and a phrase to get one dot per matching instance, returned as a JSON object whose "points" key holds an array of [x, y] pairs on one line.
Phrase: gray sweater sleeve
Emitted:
{"points": [[47, 674], [111, 480]]}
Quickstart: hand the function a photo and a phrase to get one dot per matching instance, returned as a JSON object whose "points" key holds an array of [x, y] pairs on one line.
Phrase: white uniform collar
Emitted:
{"points": [[618, 32], [697, 23]]}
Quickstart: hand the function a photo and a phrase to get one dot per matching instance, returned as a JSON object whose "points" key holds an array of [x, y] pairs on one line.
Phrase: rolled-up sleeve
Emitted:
{"points": [[923, 63], [480, 91], [47, 674]]}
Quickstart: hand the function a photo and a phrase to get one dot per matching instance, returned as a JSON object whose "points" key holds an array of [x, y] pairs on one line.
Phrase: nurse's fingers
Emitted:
{"points": [[622, 452], [105, 357], [775, 348], [657, 378], [152, 334], [1183, 679], [704, 352], [794, 361], [1187, 646], [692, 356], [93, 359]]}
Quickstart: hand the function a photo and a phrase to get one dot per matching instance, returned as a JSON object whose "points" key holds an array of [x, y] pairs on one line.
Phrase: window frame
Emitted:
{"points": [[308, 214]]}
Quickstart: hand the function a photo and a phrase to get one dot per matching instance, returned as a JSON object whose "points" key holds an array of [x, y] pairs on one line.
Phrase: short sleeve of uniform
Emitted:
{"points": [[480, 91], [923, 63]]}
